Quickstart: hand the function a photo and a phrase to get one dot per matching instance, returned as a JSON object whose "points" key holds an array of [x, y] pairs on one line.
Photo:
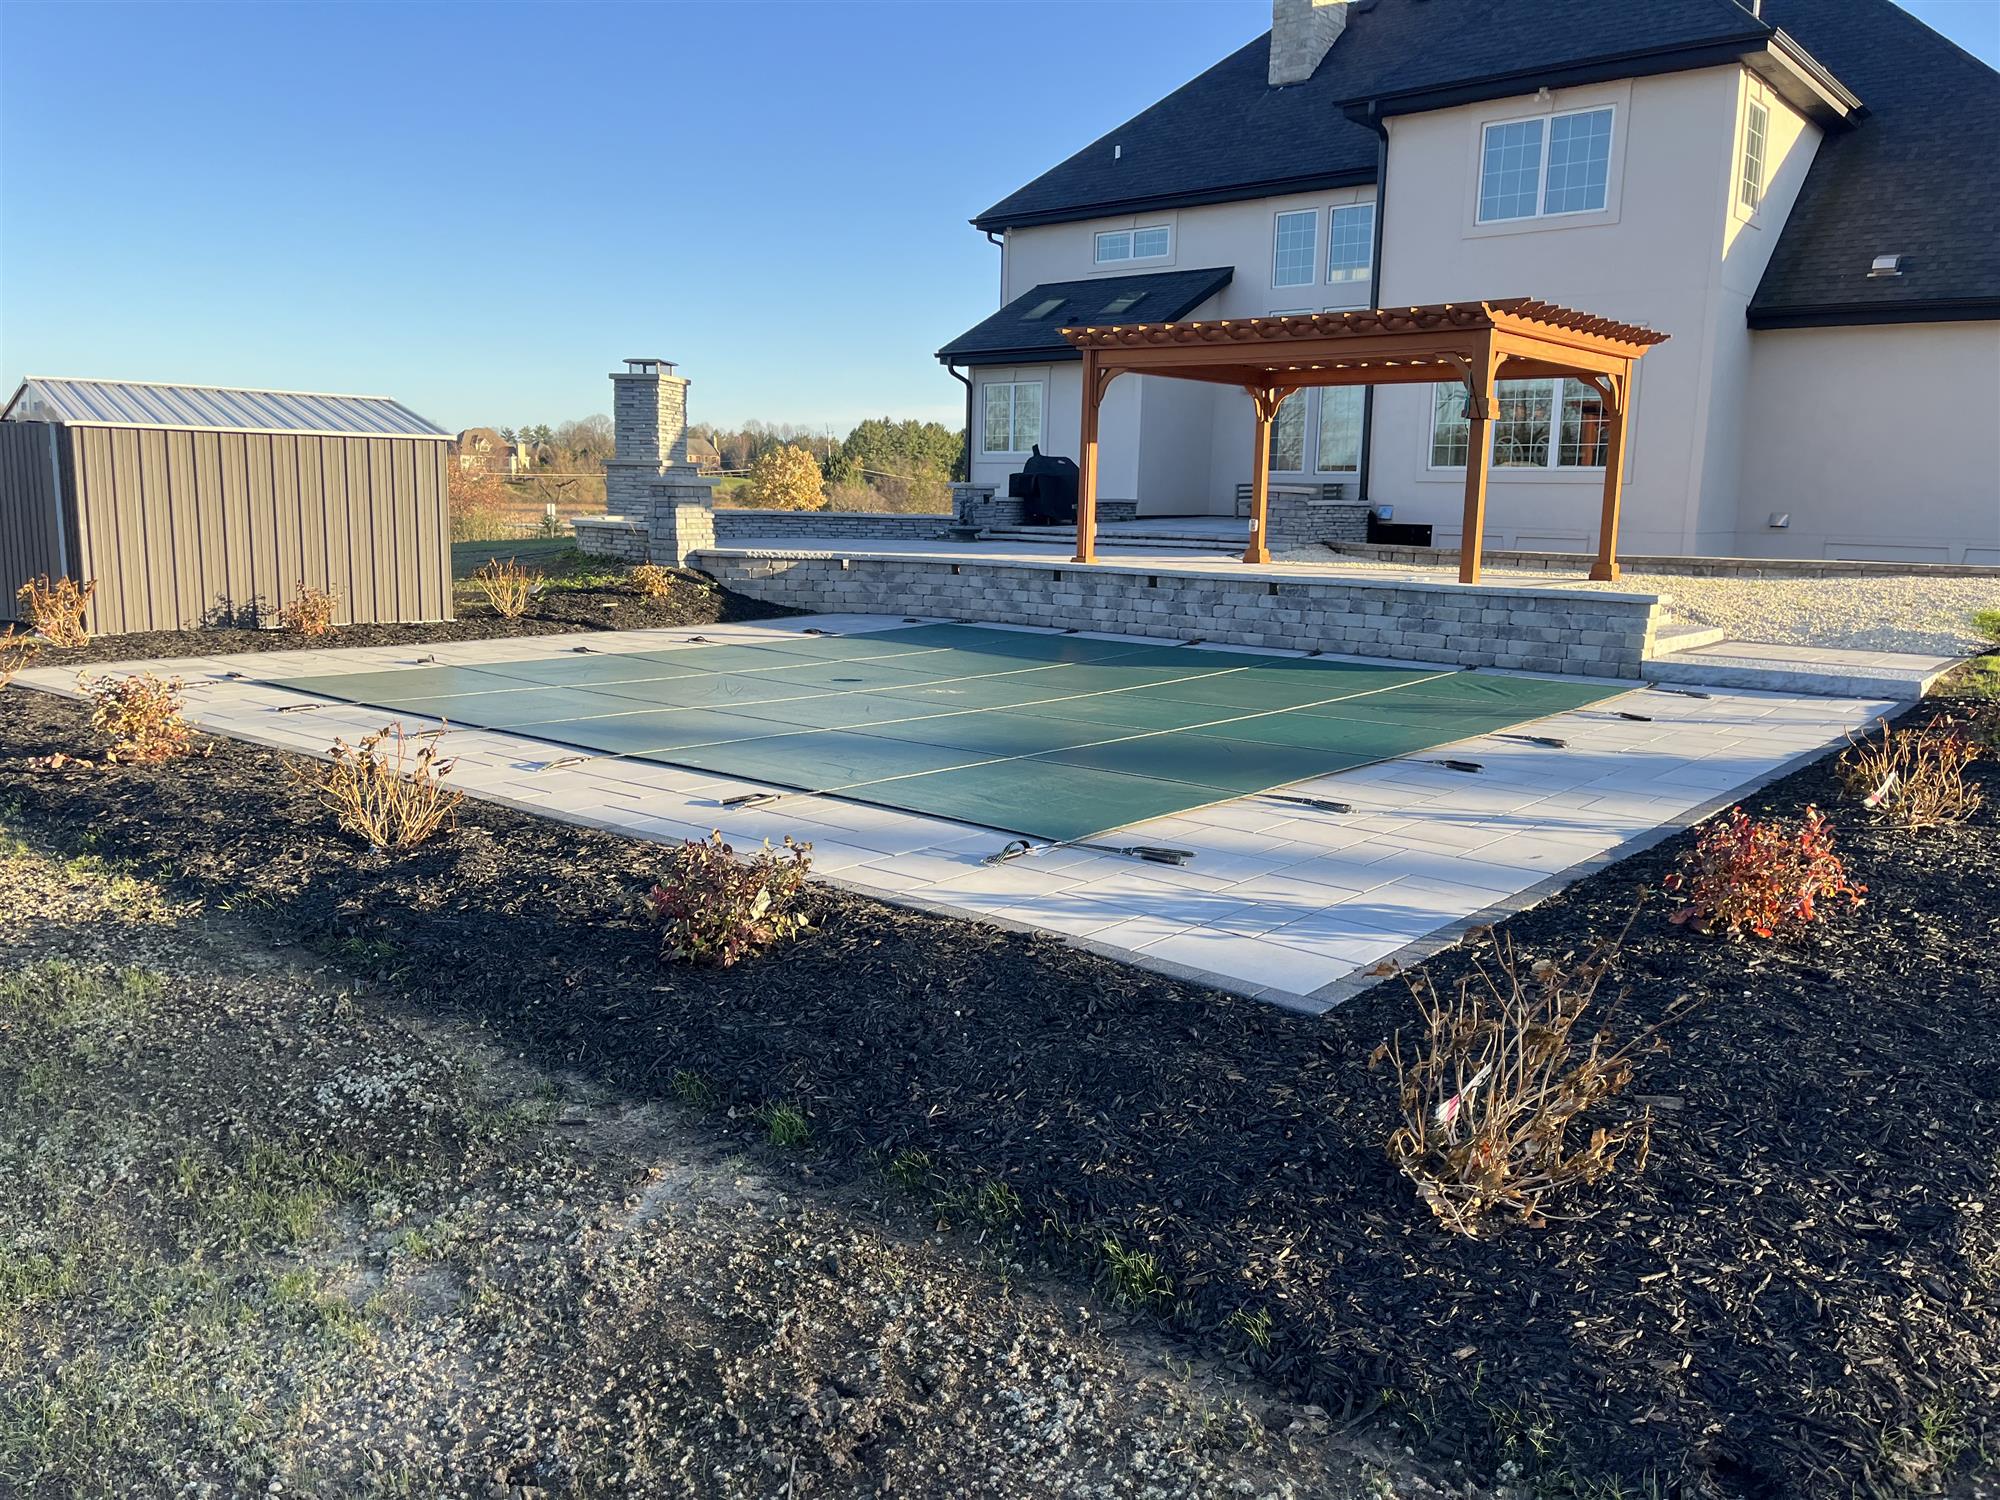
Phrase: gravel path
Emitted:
{"points": [[1921, 616]]}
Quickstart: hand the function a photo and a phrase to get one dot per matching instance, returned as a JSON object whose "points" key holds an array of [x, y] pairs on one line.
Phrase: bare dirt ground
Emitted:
{"points": [[265, 1234]]}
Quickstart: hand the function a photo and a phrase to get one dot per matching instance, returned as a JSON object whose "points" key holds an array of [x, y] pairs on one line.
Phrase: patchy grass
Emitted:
{"points": [[262, 1237]]}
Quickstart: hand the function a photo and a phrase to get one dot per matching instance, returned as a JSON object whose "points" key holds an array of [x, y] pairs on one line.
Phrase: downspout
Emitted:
{"points": [[965, 455], [1373, 120]]}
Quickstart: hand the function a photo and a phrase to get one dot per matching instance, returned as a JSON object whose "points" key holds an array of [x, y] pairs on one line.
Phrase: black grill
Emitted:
{"points": [[1048, 488]]}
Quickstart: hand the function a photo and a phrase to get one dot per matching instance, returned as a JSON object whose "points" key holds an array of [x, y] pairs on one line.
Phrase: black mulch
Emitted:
{"points": [[694, 600], [1801, 1291]]}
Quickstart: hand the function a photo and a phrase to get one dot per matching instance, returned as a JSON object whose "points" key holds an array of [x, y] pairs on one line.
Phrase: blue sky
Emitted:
{"points": [[481, 208]]}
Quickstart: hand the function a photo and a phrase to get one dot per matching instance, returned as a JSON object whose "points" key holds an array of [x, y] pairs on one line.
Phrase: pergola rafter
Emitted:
{"points": [[1475, 344]]}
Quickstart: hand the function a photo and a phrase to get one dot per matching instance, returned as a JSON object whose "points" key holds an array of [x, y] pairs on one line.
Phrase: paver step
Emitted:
{"points": [[1822, 672], [1681, 635]]}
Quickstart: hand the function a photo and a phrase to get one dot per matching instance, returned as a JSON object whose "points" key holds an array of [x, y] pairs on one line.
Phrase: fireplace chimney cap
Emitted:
{"points": [[648, 366]]}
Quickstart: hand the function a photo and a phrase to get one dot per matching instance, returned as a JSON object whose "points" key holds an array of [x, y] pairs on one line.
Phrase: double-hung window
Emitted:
{"points": [[1295, 253], [1116, 245], [1011, 420], [1350, 242], [1288, 435], [1537, 424], [1756, 142], [1340, 428], [1545, 167]]}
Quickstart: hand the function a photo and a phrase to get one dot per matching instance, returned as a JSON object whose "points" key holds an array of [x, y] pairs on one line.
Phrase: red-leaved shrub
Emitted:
{"points": [[719, 909], [1761, 877]]}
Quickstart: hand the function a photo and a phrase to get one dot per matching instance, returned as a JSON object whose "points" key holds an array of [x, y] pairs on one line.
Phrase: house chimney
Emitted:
{"points": [[1302, 33]]}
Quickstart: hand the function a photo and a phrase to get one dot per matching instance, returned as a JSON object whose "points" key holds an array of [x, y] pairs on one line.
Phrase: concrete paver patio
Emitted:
{"points": [[1289, 902]]}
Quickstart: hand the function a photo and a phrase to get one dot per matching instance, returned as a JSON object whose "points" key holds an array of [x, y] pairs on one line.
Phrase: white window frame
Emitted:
{"points": [[1549, 467], [1130, 236], [986, 390], [1748, 207], [1542, 167], [1367, 276], [1312, 259]]}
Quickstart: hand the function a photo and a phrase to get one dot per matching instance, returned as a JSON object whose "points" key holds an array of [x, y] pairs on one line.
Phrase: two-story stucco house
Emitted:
{"points": [[1802, 193]]}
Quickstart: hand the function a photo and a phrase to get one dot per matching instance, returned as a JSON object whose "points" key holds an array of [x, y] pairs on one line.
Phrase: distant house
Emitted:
{"points": [[1801, 193], [483, 450], [703, 454]]}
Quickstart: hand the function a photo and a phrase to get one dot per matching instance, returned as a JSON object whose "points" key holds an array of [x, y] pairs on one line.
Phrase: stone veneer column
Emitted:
{"points": [[649, 478]]}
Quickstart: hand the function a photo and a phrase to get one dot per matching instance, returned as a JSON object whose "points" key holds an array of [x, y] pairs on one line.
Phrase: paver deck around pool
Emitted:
{"points": [[1284, 896]]}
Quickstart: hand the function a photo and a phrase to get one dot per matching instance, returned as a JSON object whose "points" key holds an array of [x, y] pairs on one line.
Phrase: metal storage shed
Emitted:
{"points": [[195, 505]]}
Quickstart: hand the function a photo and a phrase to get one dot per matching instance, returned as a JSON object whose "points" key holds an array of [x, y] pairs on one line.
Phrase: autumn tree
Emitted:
{"points": [[787, 478]]}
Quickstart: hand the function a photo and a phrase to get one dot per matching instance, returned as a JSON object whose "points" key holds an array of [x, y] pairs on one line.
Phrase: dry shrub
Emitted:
{"points": [[139, 716], [310, 611], [56, 608], [719, 909], [392, 797], [1493, 1085], [17, 651], [1761, 877], [1914, 778], [508, 586], [652, 580]]}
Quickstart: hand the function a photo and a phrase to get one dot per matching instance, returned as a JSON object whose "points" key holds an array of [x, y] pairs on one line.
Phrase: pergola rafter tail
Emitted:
{"points": [[1471, 343]]}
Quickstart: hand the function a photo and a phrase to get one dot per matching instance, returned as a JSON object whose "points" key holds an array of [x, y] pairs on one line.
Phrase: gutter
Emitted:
{"points": [[1854, 315]]}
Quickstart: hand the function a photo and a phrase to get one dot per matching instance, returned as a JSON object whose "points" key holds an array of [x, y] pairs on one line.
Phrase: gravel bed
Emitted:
{"points": [[1919, 616]]}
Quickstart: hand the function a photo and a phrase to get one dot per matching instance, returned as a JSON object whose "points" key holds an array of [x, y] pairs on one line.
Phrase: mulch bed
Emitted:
{"points": [[694, 600], [1802, 1284]]}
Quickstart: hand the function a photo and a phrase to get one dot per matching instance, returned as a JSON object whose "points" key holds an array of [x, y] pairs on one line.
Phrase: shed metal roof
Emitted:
{"points": [[209, 408]]}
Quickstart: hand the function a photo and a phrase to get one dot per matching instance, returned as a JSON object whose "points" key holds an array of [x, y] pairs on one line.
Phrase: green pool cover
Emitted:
{"points": [[1052, 736]]}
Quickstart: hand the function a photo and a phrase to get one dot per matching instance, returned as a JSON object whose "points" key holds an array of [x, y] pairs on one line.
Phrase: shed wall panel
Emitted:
{"points": [[189, 528], [31, 500]]}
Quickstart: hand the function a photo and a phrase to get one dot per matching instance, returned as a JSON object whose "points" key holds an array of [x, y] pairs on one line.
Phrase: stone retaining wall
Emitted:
{"points": [[610, 536], [1527, 629], [1297, 520], [736, 525], [1681, 566]]}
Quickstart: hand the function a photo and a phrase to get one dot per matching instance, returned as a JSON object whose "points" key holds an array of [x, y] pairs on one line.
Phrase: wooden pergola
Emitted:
{"points": [[1476, 344]]}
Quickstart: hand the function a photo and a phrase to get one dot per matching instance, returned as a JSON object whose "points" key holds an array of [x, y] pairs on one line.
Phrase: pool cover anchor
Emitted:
{"points": [[560, 761], [1152, 853], [752, 799], [1317, 804], [1548, 740], [1677, 691]]}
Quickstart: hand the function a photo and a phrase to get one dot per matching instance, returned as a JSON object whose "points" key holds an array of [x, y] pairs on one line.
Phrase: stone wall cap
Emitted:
{"points": [[1247, 574]]}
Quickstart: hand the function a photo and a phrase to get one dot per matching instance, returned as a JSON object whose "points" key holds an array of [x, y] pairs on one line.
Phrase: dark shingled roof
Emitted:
{"points": [[1914, 165], [1916, 176], [1011, 336]]}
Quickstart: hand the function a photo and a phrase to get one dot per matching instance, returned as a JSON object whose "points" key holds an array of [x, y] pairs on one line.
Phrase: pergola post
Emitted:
{"points": [[1606, 569], [1086, 478], [1478, 461], [1266, 400]]}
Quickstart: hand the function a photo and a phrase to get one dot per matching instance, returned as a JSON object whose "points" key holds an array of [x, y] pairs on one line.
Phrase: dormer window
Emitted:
{"points": [[1117, 245], [1756, 142]]}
